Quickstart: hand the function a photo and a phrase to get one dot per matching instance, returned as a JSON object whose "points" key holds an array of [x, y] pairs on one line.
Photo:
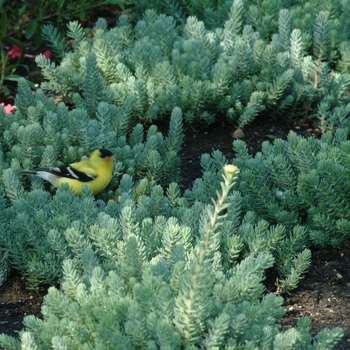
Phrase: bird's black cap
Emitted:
{"points": [[105, 153]]}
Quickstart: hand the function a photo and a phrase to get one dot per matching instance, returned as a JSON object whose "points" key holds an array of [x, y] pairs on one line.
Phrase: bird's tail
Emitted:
{"points": [[29, 171]]}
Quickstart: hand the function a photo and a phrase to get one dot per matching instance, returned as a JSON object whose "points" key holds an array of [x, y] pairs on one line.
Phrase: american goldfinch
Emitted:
{"points": [[96, 172]]}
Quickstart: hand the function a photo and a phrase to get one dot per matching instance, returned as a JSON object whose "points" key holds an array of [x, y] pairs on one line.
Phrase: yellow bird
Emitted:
{"points": [[96, 172]]}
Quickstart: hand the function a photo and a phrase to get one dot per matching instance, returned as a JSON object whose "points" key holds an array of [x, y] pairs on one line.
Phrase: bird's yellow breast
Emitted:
{"points": [[99, 184]]}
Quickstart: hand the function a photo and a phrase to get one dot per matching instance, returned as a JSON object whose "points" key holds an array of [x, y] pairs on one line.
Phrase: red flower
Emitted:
{"points": [[16, 51], [8, 108]]}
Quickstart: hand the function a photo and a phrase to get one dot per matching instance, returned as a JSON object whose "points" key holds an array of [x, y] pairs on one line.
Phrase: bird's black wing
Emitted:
{"points": [[69, 172]]}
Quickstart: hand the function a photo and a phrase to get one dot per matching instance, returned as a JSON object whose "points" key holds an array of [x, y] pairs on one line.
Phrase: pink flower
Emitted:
{"points": [[47, 54], [8, 108], [16, 51]]}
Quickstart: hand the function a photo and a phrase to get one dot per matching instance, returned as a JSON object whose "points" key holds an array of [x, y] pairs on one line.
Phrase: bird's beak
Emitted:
{"points": [[109, 159]]}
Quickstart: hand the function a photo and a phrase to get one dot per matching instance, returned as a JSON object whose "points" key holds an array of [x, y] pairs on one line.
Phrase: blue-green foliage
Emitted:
{"points": [[300, 181], [143, 265], [293, 194], [282, 233], [42, 134], [255, 58], [134, 278]]}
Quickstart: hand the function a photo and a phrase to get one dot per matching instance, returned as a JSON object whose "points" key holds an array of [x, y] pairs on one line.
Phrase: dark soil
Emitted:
{"points": [[324, 293], [16, 302]]}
